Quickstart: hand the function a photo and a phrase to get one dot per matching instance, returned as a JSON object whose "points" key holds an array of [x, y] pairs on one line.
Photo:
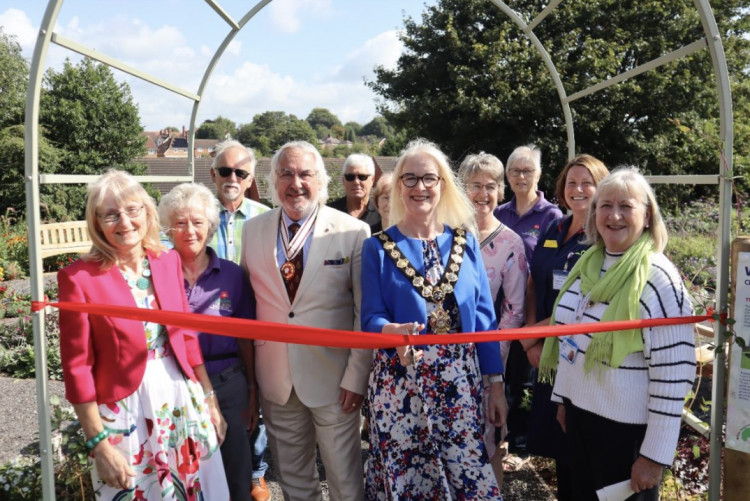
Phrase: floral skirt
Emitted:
{"points": [[426, 428], [165, 431]]}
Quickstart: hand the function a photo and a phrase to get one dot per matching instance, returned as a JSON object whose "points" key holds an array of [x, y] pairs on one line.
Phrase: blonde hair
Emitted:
{"points": [[125, 189], [186, 195], [454, 209], [628, 179]]}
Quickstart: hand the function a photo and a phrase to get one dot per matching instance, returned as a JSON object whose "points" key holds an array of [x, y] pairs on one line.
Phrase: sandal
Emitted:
{"points": [[513, 463]]}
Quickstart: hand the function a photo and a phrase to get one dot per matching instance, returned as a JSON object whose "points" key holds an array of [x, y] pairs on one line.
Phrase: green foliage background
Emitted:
{"points": [[471, 80]]}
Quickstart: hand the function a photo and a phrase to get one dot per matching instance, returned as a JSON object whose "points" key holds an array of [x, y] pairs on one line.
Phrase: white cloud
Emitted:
{"points": [[16, 22], [287, 14], [382, 50]]}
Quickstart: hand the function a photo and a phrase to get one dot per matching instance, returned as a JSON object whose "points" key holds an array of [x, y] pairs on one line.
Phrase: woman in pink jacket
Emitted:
{"points": [[139, 389]]}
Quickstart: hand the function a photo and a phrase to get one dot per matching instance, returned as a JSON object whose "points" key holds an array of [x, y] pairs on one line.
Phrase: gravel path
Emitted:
{"points": [[20, 433]]}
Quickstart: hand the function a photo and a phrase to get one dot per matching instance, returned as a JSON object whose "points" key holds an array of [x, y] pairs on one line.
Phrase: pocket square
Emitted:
{"points": [[336, 262]]}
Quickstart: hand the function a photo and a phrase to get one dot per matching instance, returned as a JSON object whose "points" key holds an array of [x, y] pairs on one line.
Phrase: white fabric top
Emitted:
{"points": [[650, 386]]}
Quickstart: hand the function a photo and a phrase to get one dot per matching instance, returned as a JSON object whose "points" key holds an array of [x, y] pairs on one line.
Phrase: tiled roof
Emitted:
{"points": [[179, 167]]}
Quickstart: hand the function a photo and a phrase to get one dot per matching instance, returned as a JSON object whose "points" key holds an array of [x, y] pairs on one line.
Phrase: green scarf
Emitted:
{"points": [[621, 286]]}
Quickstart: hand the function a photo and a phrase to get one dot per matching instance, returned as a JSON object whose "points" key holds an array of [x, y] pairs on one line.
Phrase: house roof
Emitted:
{"points": [[179, 167]]}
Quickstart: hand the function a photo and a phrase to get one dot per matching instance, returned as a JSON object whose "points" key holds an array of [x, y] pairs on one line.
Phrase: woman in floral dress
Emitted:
{"points": [[139, 389], [425, 275], [502, 252]]}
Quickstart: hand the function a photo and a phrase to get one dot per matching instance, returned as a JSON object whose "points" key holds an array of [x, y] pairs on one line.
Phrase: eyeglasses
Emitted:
{"points": [[477, 187], [352, 177], [519, 172], [227, 171], [113, 217], [411, 180]]}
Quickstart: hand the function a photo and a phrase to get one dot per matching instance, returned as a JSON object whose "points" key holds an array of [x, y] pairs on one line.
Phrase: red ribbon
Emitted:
{"points": [[297, 334]]}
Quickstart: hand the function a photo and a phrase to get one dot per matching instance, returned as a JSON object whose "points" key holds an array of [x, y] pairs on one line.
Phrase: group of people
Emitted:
{"points": [[170, 413]]}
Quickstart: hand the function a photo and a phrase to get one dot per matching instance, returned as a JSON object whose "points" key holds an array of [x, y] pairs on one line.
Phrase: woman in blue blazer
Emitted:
{"points": [[425, 274]]}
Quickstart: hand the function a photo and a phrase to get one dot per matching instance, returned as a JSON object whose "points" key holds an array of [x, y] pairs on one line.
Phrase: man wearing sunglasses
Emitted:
{"points": [[358, 176], [233, 172]]}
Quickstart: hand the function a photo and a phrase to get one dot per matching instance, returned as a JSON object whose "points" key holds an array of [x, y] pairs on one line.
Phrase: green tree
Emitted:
{"points": [[14, 79], [271, 129], [322, 117], [221, 128], [470, 80], [12, 170], [377, 127], [92, 120]]}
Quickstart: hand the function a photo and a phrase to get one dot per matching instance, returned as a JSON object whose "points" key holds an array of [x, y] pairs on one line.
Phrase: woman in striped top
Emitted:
{"points": [[620, 394]]}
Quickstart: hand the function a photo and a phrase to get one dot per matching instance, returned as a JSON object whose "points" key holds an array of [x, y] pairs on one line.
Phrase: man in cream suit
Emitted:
{"points": [[308, 274]]}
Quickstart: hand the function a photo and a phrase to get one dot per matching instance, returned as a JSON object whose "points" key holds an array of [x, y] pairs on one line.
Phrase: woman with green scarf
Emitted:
{"points": [[620, 393]]}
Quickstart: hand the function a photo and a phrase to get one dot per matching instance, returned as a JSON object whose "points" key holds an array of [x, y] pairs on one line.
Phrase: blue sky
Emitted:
{"points": [[294, 55]]}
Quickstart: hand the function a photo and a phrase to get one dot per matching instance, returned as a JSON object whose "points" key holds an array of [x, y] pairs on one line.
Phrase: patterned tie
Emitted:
{"points": [[292, 283]]}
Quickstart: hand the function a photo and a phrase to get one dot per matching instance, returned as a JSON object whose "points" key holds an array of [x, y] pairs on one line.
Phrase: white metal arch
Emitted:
{"points": [[711, 40]]}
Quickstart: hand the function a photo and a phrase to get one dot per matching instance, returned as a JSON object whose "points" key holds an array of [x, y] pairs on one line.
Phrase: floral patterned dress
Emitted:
{"points": [[165, 431], [426, 419]]}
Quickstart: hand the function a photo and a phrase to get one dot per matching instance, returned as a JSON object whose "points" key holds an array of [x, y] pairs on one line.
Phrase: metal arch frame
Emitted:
{"points": [[33, 178]]}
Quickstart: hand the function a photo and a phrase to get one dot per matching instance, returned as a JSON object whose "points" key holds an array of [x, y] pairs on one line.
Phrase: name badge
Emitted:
{"points": [[558, 279], [550, 244], [568, 350]]}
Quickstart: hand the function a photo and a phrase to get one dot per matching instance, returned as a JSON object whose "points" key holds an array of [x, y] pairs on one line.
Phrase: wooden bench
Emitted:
{"points": [[65, 238]]}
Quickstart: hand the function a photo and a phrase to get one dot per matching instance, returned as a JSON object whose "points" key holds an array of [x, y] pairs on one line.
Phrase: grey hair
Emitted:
{"points": [[530, 153], [320, 169], [483, 163], [359, 160], [230, 144], [628, 179], [184, 196]]}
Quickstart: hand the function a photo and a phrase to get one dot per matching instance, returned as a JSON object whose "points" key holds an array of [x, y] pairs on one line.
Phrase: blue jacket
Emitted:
{"points": [[387, 296]]}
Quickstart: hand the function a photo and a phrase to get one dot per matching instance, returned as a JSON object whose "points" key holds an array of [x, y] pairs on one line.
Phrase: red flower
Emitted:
{"points": [[190, 456]]}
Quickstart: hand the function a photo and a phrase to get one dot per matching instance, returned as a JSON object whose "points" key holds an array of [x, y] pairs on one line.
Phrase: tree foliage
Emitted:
{"points": [[322, 117], [92, 120], [13, 190], [378, 127], [14, 79], [470, 80], [270, 130], [221, 128]]}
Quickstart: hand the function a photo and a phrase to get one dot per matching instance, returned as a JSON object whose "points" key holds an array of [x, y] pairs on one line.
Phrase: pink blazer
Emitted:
{"points": [[104, 358]]}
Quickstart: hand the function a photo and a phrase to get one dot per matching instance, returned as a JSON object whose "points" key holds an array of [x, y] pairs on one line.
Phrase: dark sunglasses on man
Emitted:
{"points": [[227, 171], [352, 177]]}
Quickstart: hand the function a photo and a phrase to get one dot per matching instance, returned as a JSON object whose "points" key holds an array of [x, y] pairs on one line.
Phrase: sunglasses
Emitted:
{"points": [[227, 171], [352, 177]]}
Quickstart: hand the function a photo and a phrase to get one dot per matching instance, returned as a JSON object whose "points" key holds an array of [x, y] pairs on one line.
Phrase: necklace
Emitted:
{"points": [[439, 318], [142, 282]]}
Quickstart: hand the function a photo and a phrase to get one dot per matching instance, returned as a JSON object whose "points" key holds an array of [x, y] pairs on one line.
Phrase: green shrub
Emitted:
{"points": [[21, 478], [17, 348], [695, 257]]}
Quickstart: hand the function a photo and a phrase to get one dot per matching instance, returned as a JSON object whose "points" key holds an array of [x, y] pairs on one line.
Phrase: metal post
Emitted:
{"points": [[31, 178]]}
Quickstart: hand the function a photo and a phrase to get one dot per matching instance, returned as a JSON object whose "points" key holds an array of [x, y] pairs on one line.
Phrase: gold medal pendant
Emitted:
{"points": [[440, 320], [287, 270]]}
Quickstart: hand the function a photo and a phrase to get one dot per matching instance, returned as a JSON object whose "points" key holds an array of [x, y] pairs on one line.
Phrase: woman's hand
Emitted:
{"points": [[217, 419], [561, 416], [112, 466], [407, 355], [645, 474], [498, 408]]}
